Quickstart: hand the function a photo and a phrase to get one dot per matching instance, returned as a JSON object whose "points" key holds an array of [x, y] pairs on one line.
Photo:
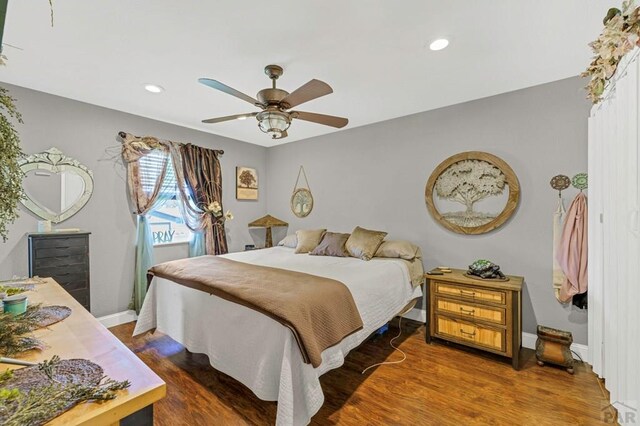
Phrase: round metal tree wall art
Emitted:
{"points": [[482, 186]]}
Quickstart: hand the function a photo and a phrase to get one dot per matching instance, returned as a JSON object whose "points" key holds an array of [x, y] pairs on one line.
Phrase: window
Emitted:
{"points": [[167, 224]]}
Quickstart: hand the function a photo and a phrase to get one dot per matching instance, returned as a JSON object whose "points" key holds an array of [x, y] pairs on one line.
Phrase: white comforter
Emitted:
{"points": [[260, 352]]}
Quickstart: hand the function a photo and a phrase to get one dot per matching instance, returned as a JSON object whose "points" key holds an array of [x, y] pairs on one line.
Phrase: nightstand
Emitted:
{"points": [[481, 314]]}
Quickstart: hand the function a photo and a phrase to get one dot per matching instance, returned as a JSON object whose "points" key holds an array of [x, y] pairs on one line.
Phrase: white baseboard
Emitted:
{"points": [[528, 339], [118, 318]]}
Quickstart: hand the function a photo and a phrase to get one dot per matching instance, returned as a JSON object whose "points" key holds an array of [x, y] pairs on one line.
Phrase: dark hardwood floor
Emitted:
{"points": [[436, 385]]}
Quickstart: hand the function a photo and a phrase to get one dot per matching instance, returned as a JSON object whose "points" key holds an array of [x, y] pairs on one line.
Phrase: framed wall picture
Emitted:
{"points": [[472, 193], [246, 183]]}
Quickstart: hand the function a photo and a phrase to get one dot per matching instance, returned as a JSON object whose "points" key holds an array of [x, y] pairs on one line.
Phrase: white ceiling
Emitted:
{"points": [[374, 54]]}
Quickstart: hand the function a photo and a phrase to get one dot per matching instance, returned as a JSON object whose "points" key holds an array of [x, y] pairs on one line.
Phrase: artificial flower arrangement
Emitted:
{"points": [[216, 210], [621, 35]]}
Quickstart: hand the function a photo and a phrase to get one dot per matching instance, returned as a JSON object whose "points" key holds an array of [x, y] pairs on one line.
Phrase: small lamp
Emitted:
{"points": [[268, 222]]}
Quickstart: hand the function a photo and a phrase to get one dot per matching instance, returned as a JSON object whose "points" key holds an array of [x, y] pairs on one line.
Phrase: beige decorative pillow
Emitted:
{"points": [[290, 241], [308, 239], [363, 243], [332, 244], [398, 249]]}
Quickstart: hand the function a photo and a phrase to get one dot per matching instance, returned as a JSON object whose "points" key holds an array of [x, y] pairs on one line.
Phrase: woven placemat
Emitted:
{"points": [[67, 371], [47, 315]]}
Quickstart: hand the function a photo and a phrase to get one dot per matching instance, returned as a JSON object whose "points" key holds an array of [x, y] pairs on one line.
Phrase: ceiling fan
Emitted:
{"points": [[275, 117]]}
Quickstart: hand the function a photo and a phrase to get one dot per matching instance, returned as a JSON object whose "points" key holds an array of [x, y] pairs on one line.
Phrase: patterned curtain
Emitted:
{"points": [[203, 179], [199, 179], [146, 192]]}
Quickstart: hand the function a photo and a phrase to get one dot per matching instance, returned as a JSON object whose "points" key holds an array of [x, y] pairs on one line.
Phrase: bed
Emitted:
{"points": [[260, 352]]}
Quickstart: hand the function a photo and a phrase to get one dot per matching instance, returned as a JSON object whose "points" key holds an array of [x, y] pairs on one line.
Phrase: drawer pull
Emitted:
{"points": [[468, 334], [470, 312], [467, 293]]}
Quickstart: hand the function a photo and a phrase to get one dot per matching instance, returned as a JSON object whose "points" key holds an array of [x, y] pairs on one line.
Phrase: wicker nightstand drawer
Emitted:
{"points": [[468, 332], [471, 293], [475, 312]]}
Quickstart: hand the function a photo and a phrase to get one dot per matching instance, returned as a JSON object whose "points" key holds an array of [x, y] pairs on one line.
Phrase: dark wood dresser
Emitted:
{"points": [[65, 258], [485, 315]]}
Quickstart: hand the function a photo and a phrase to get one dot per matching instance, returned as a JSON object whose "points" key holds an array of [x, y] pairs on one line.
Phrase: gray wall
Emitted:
{"points": [[88, 133], [374, 176]]}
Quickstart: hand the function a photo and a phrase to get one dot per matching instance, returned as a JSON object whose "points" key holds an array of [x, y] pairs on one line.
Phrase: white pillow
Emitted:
{"points": [[290, 241]]}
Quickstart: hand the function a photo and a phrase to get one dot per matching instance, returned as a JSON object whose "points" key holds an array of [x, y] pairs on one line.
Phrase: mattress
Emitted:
{"points": [[260, 352]]}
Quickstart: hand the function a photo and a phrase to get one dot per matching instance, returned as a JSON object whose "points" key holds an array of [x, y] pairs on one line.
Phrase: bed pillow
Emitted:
{"points": [[308, 239], [332, 244], [290, 241], [398, 249], [363, 243]]}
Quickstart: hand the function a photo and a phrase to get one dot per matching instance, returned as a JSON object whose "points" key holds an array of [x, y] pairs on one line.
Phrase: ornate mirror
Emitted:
{"points": [[472, 192], [55, 186]]}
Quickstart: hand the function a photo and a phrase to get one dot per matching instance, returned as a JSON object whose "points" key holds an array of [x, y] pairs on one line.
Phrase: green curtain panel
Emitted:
{"points": [[196, 245], [144, 261]]}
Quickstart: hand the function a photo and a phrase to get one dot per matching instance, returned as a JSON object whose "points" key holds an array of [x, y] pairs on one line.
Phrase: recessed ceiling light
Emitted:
{"points": [[439, 44], [153, 88]]}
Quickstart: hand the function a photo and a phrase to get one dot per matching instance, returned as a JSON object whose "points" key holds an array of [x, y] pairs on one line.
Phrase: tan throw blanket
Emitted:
{"points": [[319, 311]]}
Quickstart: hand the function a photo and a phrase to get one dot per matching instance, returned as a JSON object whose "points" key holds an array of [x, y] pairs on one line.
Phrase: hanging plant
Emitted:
{"points": [[10, 152], [620, 35]]}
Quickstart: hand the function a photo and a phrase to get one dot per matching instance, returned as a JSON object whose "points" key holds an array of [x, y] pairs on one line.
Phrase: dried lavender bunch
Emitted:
{"points": [[14, 330], [44, 403]]}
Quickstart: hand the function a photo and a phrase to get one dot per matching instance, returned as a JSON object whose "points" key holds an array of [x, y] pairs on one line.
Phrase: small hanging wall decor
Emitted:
{"points": [[580, 181], [301, 199], [246, 183], [560, 183]]}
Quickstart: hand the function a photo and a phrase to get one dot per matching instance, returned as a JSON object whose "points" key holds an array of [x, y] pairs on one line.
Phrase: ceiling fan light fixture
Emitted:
{"points": [[274, 123]]}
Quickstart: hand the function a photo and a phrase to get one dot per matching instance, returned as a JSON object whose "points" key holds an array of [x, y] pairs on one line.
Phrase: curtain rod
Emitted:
{"points": [[123, 135]]}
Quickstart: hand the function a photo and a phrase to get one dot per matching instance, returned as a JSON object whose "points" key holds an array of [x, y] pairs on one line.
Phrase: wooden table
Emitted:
{"points": [[82, 336]]}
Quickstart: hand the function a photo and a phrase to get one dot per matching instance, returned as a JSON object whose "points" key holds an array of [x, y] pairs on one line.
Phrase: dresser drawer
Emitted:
{"points": [[471, 333], [45, 253], [82, 296], [79, 261], [60, 242], [472, 311], [475, 294]]}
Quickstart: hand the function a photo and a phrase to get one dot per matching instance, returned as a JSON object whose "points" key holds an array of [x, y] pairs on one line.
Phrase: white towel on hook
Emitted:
{"points": [[558, 219]]}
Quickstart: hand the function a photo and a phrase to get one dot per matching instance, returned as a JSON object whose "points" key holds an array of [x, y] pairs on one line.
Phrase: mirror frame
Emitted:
{"points": [[53, 160]]}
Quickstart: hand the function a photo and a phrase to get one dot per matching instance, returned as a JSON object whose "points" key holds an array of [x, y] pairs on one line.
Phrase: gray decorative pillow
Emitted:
{"points": [[363, 243], [290, 241], [332, 244], [308, 239], [399, 249]]}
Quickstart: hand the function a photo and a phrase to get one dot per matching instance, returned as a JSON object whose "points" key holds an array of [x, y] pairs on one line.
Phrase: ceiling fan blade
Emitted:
{"points": [[215, 84], [230, 117], [327, 120], [311, 90]]}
